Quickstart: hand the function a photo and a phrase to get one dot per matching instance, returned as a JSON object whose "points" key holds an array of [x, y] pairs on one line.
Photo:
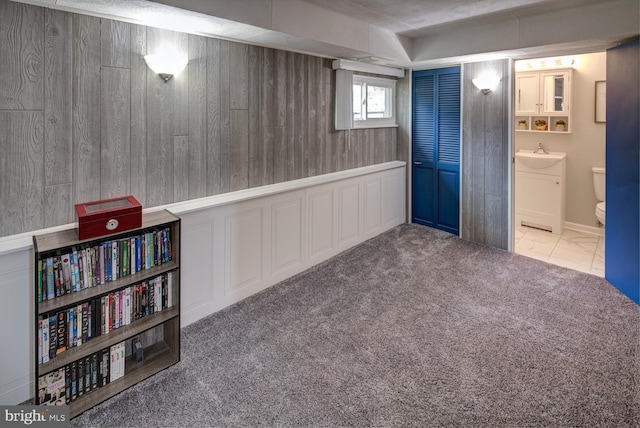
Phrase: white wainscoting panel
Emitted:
{"points": [[244, 255], [348, 214], [17, 356], [286, 234], [372, 206], [320, 203], [233, 245], [197, 300], [393, 201]]}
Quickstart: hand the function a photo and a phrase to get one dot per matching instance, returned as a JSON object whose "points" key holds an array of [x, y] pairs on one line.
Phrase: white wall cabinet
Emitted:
{"points": [[543, 101]]}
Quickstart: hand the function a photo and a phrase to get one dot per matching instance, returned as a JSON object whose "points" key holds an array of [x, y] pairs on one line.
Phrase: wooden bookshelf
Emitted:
{"points": [[158, 331]]}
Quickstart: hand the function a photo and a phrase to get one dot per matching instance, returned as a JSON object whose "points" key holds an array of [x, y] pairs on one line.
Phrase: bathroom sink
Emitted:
{"points": [[539, 160]]}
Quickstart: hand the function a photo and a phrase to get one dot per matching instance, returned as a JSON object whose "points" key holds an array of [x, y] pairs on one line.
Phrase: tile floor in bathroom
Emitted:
{"points": [[576, 250]]}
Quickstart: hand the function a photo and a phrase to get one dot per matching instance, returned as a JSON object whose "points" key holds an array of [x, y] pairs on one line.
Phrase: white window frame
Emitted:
{"points": [[391, 103]]}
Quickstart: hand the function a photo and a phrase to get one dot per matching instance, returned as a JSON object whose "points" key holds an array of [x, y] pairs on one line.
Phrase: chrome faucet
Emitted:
{"points": [[540, 149]]}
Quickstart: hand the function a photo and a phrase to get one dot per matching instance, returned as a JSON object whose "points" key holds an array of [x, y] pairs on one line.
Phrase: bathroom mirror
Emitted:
{"points": [[554, 93]]}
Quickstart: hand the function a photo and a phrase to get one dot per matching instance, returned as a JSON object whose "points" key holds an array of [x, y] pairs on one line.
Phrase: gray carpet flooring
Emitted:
{"points": [[412, 328]]}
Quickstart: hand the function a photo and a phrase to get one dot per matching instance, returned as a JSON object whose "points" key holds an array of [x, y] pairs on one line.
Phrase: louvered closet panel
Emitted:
{"points": [[436, 148], [449, 118], [423, 119]]}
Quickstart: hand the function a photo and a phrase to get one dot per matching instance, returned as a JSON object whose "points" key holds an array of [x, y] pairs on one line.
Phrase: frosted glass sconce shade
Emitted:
{"points": [[166, 65], [486, 83]]}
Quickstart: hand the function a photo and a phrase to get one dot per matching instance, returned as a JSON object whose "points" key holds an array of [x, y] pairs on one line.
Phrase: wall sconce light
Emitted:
{"points": [[166, 64], [486, 83]]}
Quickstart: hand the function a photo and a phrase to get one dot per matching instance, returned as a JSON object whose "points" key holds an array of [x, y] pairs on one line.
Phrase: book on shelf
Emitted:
{"points": [[50, 283], [45, 339], [74, 380], [71, 328], [80, 377], [85, 266], [87, 288], [77, 328], [82, 269], [66, 272], [85, 321], [104, 375], [89, 319], [61, 332], [117, 358], [94, 371], [57, 277], [87, 374], [39, 281], [67, 384], [51, 389], [39, 340], [73, 285], [105, 312], [53, 336], [169, 289], [79, 324]]}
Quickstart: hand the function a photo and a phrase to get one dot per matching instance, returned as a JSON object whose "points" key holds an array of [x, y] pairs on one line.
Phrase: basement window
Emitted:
{"points": [[373, 102]]}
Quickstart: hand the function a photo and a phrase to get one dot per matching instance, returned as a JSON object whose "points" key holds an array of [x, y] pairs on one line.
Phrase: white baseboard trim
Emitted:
{"points": [[593, 230]]}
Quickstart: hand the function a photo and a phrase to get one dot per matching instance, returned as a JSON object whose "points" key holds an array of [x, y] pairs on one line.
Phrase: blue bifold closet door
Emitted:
{"points": [[435, 191]]}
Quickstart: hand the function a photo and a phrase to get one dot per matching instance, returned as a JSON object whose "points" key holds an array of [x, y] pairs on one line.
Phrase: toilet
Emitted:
{"points": [[599, 186]]}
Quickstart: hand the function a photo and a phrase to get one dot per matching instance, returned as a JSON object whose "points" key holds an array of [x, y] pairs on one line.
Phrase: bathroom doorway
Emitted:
{"points": [[555, 102]]}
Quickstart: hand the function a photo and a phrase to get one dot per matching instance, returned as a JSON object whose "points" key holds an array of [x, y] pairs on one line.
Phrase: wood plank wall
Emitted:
{"points": [[485, 157], [82, 117]]}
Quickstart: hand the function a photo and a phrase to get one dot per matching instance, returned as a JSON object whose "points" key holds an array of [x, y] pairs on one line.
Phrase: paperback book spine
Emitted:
{"points": [[94, 371], [169, 289], [80, 323], [57, 276], [62, 332], [73, 267], [45, 339], [87, 374], [40, 340], [53, 335], [39, 279], [80, 377], [71, 326], [66, 273], [67, 384], [82, 270], [74, 381], [50, 282], [85, 322]]}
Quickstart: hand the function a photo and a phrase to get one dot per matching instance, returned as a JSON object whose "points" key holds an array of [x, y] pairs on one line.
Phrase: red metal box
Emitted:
{"points": [[108, 216]]}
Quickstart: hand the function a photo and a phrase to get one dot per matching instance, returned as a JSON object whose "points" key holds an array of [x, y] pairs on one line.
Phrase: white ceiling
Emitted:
{"points": [[408, 33], [418, 18]]}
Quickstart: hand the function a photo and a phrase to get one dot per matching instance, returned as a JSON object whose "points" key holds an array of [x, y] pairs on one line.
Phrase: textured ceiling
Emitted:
{"points": [[404, 33], [416, 18]]}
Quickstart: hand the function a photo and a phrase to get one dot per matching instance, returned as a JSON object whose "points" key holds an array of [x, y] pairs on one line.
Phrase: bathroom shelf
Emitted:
{"points": [[551, 127]]}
